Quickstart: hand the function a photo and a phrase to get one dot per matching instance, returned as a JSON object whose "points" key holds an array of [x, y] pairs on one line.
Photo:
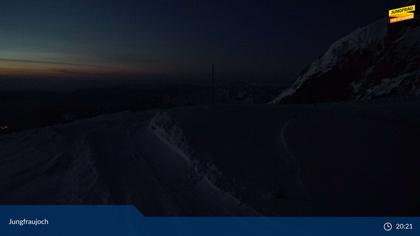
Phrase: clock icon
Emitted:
{"points": [[387, 226]]}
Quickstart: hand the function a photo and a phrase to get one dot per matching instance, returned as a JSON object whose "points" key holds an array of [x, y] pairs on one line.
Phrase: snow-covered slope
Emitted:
{"points": [[379, 60], [110, 159], [228, 160]]}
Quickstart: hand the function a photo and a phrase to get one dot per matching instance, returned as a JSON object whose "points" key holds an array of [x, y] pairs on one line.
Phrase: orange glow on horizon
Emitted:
{"points": [[41, 69]]}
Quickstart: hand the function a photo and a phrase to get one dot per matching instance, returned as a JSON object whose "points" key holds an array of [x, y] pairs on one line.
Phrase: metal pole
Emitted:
{"points": [[213, 85]]}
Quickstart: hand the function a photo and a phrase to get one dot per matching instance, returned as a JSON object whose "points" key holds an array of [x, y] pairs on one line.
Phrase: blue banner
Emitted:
{"points": [[128, 221]]}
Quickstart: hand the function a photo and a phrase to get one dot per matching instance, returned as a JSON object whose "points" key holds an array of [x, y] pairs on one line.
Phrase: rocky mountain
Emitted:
{"points": [[376, 61]]}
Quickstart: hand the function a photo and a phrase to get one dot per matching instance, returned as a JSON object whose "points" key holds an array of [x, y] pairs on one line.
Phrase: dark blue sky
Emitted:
{"points": [[245, 39]]}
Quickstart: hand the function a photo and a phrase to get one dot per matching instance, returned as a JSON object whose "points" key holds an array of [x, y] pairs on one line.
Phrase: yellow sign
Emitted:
{"points": [[401, 14], [401, 11]]}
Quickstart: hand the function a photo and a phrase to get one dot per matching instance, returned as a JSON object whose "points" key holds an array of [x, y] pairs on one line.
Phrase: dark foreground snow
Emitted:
{"points": [[335, 159]]}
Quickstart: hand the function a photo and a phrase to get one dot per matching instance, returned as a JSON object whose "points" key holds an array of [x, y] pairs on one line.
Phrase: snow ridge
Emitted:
{"points": [[166, 128]]}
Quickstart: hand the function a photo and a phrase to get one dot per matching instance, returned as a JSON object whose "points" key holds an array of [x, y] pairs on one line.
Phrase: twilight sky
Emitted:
{"points": [[266, 40]]}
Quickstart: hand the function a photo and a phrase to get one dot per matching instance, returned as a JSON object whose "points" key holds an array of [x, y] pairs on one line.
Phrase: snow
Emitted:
{"points": [[385, 87], [353, 42], [388, 65], [223, 160], [166, 129], [108, 159]]}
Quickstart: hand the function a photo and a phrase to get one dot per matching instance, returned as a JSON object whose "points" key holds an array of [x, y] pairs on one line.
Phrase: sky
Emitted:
{"points": [[249, 40]]}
